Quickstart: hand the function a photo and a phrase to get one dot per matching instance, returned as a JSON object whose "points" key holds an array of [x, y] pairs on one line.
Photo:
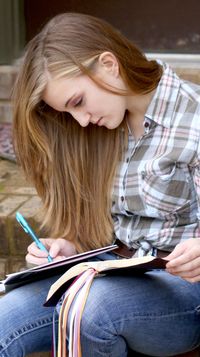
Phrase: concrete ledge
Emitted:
{"points": [[187, 66], [178, 60]]}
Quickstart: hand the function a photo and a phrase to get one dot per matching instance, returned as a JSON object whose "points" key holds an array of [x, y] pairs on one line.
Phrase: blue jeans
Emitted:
{"points": [[155, 314]]}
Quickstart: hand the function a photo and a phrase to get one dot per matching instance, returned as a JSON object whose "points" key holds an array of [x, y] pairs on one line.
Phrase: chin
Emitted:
{"points": [[111, 126]]}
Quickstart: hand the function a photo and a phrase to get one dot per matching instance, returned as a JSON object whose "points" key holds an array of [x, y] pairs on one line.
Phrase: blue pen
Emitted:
{"points": [[29, 231]]}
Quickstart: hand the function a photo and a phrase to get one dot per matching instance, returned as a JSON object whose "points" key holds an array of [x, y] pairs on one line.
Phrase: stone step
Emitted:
{"points": [[15, 194], [7, 79]]}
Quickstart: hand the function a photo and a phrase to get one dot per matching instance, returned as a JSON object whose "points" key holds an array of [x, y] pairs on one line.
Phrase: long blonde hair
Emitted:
{"points": [[73, 168]]}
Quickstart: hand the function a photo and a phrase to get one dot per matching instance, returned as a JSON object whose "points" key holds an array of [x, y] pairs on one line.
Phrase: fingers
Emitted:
{"points": [[188, 270], [192, 277], [184, 261], [184, 252], [32, 259], [177, 252], [36, 255], [33, 249], [57, 247], [59, 257], [62, 247]]}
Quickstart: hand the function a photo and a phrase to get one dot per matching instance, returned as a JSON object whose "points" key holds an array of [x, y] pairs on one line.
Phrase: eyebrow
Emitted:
{"points": [[69, 100]]}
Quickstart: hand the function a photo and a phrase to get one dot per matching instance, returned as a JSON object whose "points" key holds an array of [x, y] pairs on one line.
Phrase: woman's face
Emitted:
{"points": [[86, 101]]}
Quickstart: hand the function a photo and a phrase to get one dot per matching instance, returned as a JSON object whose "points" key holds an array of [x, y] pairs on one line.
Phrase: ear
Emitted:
{"points": [[109, 63]]}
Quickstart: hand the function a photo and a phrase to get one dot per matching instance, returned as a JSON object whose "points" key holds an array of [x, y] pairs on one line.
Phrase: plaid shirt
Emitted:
{"points": [[156, 193]]}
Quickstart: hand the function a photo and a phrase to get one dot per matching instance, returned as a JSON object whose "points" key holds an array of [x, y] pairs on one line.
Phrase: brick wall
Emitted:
{"points": [[15, 194], [7, 78]]}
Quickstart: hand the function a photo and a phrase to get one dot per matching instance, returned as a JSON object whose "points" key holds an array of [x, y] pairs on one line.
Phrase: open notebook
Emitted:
{"points": [[70, 291], [118, 266], [46, 270]]}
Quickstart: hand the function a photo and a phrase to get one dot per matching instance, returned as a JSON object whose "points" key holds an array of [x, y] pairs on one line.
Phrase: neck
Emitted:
{"points": [[137, 104], [136, 108]]}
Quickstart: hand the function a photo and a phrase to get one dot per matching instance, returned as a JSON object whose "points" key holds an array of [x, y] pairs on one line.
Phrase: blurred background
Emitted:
{"points": [[171, 26], [169, 30]]}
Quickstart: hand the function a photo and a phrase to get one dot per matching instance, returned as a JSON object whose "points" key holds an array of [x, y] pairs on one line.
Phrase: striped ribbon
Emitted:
{"points": [[72, 306]]}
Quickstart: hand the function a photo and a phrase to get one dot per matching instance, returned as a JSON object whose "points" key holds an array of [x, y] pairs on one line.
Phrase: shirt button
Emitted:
{"points": [[127, 160], [122, 198], [146, 124]]}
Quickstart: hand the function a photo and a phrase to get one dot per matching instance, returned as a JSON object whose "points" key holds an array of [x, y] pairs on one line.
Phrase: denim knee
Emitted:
{"points": [[97, 312], [23, 340], [25, 324], [98, 333], [122, 311]]}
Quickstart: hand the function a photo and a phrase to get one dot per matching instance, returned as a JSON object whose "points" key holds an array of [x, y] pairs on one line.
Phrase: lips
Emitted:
{"points": [[99, 121]]}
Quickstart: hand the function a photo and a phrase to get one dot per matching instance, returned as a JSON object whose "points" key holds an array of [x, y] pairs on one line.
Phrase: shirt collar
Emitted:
{"points": [[162, 106]]}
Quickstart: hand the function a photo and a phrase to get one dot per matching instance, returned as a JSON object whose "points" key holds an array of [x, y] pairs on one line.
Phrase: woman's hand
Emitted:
{"points": [[184, 260], [58, 248]]}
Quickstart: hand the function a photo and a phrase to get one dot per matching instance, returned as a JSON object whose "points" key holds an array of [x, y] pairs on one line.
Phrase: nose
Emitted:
{"points": [[82, 118]]}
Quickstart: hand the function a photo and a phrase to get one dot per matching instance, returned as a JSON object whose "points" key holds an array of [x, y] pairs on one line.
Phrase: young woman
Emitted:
{"points": [[110, 140]]}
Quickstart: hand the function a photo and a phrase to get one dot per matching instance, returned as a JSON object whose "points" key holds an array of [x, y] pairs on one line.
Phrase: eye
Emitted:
{"points": [[77, 102]]}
